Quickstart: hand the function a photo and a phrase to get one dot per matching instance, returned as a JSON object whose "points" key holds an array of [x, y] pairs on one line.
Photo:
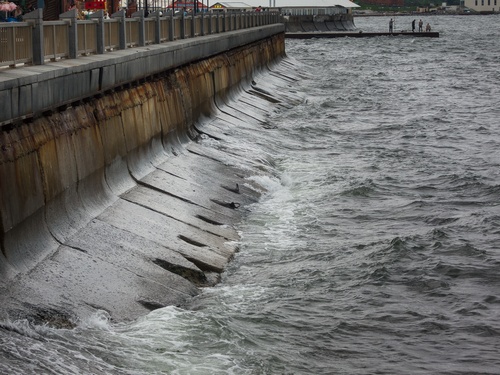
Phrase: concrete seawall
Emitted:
{"points": [[103, 206], [30, 91]]}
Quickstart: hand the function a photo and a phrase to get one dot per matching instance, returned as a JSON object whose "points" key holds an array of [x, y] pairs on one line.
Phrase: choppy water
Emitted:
{"points": [[377, 249]]}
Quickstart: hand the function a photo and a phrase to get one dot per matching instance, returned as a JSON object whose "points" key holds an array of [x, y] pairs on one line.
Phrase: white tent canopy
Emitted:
{"points": [[233, 4]]}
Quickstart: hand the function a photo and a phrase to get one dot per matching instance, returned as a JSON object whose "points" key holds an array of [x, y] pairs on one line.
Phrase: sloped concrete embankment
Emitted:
{"points": [[110, 204]]}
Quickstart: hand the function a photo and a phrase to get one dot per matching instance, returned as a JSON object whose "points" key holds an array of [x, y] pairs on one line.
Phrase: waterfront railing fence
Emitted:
{"points": [[36, 42]]}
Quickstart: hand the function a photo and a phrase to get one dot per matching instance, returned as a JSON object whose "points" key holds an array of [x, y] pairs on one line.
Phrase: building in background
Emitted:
{"points": [[314, 7], [189, 6], [483, 6]]}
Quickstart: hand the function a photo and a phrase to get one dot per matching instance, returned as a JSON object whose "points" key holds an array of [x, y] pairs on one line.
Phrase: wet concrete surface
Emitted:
{"points": [[154, 246], [148, 237]]}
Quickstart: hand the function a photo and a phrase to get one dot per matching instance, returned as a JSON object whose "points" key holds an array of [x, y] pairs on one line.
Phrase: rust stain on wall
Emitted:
{"points": [[54, 154]]}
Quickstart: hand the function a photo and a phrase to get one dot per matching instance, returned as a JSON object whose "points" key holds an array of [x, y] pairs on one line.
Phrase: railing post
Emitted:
{"points": [[123, 35], [210, 31], [99, 15], [171, 26], [183, 26], [224, 22], [193, 24], [71, 16], [36, 18], [156, 15], [217, 25], [140, 15], [202, 32]]}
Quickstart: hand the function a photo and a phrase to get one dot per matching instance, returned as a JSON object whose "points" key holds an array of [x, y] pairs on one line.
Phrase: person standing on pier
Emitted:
{"points": [[413, 26], [428, 27], [391, 23], [420, 25]]}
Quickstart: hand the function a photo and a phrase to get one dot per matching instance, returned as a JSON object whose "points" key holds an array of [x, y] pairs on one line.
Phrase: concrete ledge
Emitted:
{"points": [[31, 90]]}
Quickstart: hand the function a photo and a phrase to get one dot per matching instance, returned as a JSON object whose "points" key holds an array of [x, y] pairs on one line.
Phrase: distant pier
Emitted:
{"points": [[357, 34]]}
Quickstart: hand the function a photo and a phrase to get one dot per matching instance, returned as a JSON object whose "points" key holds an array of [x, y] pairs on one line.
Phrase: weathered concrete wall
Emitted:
{"points": [[31, 90], [98, 177]]}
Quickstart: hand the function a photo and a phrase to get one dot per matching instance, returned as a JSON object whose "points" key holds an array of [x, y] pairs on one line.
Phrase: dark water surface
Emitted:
{"points": [[377, 248]]}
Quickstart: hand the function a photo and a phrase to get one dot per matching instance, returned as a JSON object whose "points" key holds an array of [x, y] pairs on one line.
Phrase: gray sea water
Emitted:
{"points": [[377, 247]]}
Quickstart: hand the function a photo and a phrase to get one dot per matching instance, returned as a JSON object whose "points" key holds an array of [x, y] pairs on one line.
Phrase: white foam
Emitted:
{"points": [[23, 327], [271, 184], [99, 320]]}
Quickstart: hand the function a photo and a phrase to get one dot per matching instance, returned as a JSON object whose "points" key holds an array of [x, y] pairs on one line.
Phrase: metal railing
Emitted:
{"points": [[36, 41]]}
